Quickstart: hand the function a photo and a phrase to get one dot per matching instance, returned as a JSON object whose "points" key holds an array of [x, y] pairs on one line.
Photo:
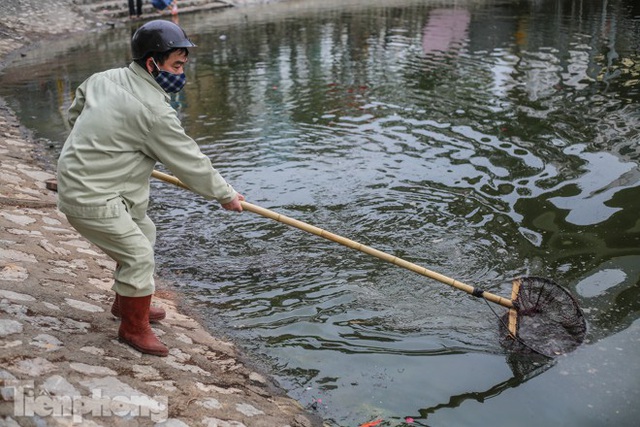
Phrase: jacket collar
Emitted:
{"points": [[144, 74]]}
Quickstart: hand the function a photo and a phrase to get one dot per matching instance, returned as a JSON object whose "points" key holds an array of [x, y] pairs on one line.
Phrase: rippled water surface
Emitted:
{"points": [[484, 140]]}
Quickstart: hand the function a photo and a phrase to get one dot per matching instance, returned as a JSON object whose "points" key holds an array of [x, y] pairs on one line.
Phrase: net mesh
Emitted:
{"points": [[549, 320]]}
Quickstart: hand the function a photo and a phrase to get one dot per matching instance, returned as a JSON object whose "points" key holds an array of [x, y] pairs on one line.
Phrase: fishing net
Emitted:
{"points": [[549, 320]]}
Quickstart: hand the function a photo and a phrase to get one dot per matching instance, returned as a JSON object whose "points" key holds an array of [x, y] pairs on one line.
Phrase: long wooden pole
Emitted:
{"points": [[355, 245]]}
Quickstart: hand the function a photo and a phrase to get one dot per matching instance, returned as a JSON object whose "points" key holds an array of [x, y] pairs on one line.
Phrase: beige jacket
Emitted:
{"points": [[122, 124]]}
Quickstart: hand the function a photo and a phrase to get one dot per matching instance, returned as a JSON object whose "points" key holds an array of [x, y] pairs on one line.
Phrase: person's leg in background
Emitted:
{"points": [[139, 8], [132, 11], [135, 11]]}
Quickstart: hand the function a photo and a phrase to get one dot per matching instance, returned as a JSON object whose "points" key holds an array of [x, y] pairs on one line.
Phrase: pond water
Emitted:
{"points": [[484, 140]]}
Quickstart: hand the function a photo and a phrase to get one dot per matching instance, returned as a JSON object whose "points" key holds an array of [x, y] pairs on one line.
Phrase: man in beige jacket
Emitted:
{"points": [[122, 125]]}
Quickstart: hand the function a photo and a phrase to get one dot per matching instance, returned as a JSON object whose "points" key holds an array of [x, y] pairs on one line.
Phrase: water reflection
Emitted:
{"points": [[446, 30], [484, 140], [524, 368]]}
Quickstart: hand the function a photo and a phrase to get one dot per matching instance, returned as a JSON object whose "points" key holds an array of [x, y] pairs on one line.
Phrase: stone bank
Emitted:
{"points": [[60, 361]]}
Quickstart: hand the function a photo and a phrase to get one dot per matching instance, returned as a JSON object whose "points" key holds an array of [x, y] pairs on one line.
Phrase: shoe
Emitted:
{"points": [[156, 314], [135, 329], [51, 184]]}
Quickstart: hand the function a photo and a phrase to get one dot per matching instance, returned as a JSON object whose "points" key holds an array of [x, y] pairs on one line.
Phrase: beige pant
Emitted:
{"points": [[129, 242]]}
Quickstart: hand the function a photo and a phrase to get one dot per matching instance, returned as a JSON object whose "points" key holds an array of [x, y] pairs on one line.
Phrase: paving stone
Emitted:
{"points": [[11, 344], [34, 367], [17, 256], [76, 264], [64, 324], [8, 327], [172, 422], [21, 232], [91, 369], [77, 243], [209, 403], [51, 306], [215, 422], [37, 175], [57, 385], [84, 306], [6, 393], [89, 252], [146, 372], [16, 310], [15, 296], [195, 369], [46, 342], [248, 410], [115, 389], [52, 249], [254, 376], [101, 283], [18, 219], [7, 421], [184, 338], [93, 350], [212, 388], [167, 385], [51, 221]]}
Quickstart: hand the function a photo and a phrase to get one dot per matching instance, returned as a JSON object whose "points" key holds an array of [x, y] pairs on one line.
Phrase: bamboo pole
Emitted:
{"points": [[354, 245]]}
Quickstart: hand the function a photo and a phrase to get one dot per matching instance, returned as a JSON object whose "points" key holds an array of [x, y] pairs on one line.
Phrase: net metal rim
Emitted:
{"points": [[550, 321]]}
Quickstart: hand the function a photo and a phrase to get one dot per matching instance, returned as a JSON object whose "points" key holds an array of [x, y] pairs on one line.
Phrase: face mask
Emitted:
{"points": [[171, 83]]}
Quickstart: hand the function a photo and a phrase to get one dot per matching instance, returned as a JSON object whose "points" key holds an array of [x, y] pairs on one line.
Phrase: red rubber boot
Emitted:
{"points": [[156, 314], [135, 329]]}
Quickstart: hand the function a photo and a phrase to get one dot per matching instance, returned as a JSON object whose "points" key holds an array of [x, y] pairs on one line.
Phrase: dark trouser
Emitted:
{"points": [[138, 7]]}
